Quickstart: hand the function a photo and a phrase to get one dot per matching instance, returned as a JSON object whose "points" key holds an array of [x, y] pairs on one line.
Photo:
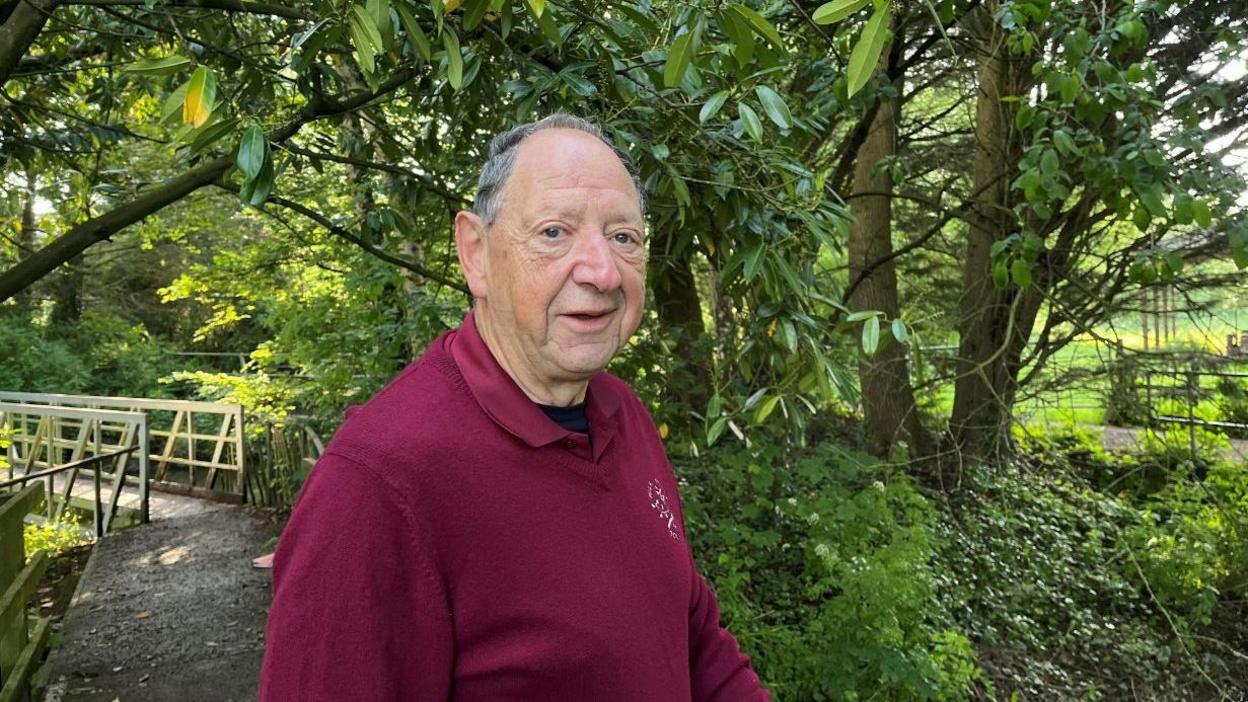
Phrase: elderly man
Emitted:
{"points": [[501, 522]]}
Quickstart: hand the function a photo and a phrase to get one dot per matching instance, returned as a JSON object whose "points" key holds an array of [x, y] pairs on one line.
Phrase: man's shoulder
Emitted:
{"points": [[412, 420]]}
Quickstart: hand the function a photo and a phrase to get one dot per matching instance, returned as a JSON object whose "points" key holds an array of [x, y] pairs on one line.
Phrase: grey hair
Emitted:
{"points": [[502, 158]]}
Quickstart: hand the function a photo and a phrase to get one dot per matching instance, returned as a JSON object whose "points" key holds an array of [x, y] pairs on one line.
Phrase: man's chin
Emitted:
{"points": [[585, 362]]}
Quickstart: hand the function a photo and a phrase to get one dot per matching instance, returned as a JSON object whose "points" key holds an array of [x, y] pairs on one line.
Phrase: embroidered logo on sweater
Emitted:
{"points": [[658, 500]]}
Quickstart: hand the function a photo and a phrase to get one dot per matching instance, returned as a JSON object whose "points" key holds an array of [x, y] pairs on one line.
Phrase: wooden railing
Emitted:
{"points": [[196, 447], [46, 440], [21, 649]]}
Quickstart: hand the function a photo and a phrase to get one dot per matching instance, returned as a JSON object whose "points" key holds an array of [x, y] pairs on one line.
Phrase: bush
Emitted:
{"points": [[822, 563], [36, 361], [55, 535]]}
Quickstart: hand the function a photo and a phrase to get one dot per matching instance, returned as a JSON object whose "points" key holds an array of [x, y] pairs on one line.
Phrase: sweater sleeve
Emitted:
{"points": [[358, 612], [720, 672]]}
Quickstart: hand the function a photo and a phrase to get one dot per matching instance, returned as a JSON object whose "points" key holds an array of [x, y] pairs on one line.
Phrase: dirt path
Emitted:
{"points": [[1119, 438], [169, 611]]}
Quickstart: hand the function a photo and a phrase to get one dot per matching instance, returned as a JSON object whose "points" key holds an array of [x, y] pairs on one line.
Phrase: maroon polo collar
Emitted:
{"points": [[505, 403]]}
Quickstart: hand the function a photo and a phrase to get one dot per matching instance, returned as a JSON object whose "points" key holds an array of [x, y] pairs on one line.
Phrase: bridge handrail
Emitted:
{"points": [[92, 462], [117, 401], [137, 421]]}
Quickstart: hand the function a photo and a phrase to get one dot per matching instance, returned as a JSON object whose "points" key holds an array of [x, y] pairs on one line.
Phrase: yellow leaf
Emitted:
{"points": [[663, 430], [451, 5], [771, 329], [201, 92]]}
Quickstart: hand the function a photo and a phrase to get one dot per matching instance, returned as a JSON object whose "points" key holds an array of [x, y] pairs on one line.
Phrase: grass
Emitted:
{"points": [[1076, 382]]}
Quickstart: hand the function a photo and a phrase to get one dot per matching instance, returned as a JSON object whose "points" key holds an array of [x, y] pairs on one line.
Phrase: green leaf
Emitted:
{"points": [[454, 59], [1150, 197], [172, 107], [774, 106], [861, 315], [158, 67], [256, 190], [716, 430], [1020, 272], [379, 10], [1200, 212], [365, 37], [754, 261], [871, 335], [251, 152], [416, 35], [738, 31], [678, 60], [761, 25], [765, 409], [475, 13], [537, 7], [750, 119], [712, 106], [837, 10], [1172, 262], [866, 53], [1065, 143], [201, 93], [210, 134], [1000, 274], [900, 332]]}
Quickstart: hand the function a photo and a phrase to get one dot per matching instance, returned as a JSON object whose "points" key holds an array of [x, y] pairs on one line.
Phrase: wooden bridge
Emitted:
{"points": [[172, 608]]}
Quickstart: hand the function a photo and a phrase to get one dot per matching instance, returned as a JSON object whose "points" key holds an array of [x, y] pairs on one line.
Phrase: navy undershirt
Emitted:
{"points": [[572, 417]]}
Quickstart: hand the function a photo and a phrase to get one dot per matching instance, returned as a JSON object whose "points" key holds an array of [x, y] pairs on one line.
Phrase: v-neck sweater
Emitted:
{"points": [[454, 543]]}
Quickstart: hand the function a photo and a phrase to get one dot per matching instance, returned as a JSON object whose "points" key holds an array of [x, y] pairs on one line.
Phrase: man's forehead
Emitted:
{"points": [[565, 169]]}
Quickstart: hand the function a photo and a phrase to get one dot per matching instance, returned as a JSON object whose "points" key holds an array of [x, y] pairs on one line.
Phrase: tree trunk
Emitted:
{"points": [[67, 292], [26, 238], [884, 377], [989, 323], [679, 309]]}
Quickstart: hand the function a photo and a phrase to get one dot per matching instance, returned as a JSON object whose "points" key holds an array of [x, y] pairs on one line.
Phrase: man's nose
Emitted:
{"points": [[596, 264]]}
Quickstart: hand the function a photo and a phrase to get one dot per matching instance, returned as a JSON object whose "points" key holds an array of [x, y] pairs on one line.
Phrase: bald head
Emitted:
{"points": [[503, 153]]}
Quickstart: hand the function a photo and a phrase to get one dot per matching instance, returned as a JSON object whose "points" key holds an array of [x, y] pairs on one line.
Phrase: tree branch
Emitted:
{"points": [[347, 235], [254, 8], [19, 31], [97, 229]]}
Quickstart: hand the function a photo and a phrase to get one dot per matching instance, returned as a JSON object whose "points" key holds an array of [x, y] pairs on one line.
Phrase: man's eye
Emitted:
{"points": [[623, 238], [552, 232]]}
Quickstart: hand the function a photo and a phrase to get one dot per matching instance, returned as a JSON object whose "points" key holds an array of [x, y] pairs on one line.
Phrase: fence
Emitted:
{"points": [[46, 441], [281, 459], [21, 649], [197, 448]]}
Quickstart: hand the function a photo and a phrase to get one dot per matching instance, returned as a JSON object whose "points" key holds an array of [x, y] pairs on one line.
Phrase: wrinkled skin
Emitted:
{"points": [[559, 276]]}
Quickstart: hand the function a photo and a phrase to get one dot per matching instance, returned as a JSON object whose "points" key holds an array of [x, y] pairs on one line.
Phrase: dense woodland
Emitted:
{"points": [[881, 235]]}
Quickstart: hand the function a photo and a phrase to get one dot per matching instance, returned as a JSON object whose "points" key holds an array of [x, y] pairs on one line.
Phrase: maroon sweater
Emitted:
{"points": [[454, 543]]}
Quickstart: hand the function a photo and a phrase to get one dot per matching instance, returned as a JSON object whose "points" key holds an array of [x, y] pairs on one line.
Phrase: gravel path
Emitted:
{"points": [[1118, 438], [169, 611]]}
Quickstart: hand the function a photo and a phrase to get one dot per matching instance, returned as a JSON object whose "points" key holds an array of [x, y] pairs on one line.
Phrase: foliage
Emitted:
{"points": [[822, 561], [55, 535]]}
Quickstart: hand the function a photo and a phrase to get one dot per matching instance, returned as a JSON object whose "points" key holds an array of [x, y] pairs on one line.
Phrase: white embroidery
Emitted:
{"points": [[658, 500]]}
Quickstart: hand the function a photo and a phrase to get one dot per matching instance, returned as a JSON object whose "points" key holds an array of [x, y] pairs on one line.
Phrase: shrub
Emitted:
{"points": [[55, 535], [822, 562]]}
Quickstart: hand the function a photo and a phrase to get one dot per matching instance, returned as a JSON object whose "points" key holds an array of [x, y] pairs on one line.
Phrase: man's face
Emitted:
{"points": [[563, 264]]}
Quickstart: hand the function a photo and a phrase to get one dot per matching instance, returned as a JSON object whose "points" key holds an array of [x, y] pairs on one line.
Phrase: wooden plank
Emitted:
{"points": [[17, 685], [170, 443], [222, 437], [114, 402], [119, 479], [32, 449], [13, 610]]}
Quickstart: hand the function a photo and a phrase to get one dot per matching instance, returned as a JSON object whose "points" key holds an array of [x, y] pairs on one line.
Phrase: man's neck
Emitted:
{"points": [[556, 394]]}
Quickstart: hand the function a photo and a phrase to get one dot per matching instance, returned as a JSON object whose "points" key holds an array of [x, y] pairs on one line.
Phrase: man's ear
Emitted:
{"points": [[470, 245]]}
